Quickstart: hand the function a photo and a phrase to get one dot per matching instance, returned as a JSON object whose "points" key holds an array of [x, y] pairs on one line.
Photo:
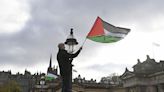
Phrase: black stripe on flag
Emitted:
{"points": [[113, 29]]}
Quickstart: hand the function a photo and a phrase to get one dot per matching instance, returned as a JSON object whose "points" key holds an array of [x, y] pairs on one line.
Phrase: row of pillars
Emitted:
{"points": [[151, 88]]}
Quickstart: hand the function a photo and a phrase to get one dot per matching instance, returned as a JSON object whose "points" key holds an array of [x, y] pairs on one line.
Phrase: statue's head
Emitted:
{"points": [[61, 46]]}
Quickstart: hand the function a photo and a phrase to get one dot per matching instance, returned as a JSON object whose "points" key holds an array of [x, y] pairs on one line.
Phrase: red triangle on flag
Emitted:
{"points": [[97, 29]]}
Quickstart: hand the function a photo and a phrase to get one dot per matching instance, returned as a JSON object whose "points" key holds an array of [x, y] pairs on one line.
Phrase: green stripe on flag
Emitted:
{"points": [[50, 76], [105, 39]]}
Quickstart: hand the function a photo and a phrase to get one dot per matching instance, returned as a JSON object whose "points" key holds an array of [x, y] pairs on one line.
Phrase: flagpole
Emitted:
{"points": [[84, 41]]}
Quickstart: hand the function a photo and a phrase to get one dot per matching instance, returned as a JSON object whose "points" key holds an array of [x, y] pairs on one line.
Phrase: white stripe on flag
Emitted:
{"points": [[51, 75], [107, 33]]}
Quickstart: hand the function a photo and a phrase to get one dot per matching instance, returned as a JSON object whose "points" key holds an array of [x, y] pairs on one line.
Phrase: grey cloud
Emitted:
{"points": [[51, 21]]}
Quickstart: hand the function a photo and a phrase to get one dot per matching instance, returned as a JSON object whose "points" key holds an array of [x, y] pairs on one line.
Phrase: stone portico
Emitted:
{"points": [[148, 76]]}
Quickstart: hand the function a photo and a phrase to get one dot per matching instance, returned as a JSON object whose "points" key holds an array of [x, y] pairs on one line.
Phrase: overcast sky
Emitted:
{"points": [[31, 30]]}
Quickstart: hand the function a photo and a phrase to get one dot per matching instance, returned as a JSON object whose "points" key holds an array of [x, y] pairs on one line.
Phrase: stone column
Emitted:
{"points": [[138, 89], [127, 89], [160, 88], [152, 88]]}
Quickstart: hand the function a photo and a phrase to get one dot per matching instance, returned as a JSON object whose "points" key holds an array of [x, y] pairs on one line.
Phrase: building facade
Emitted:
{"points": [[26, 81], [31, 82], [148, 76]]}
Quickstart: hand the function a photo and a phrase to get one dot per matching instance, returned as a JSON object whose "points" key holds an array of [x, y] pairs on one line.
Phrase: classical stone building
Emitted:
{"points": [[148, 76]]}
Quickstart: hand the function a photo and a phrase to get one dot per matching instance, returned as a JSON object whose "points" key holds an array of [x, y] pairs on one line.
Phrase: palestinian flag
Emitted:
{"points": [[106, 33], [50, 76]]}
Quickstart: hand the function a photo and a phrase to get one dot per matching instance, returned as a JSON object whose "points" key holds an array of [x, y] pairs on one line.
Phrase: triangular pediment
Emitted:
{"points": [[127, 74]]}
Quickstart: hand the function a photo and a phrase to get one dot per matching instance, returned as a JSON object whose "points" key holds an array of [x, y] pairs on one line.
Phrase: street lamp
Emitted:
{"points": [[71, 42]]}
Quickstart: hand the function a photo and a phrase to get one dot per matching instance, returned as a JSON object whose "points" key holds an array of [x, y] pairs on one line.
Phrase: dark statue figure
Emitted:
{"points": [[65, 64]]}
